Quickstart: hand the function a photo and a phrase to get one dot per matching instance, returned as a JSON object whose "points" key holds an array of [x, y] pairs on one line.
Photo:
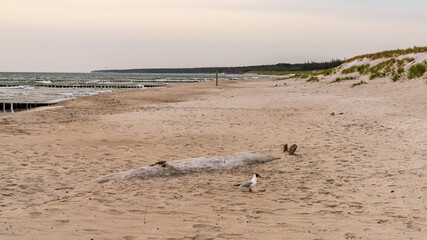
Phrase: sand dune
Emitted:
{"points": [[359, 173]]}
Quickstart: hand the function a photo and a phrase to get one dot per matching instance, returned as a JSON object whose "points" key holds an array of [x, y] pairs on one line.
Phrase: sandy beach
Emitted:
{"points": [[359, 173]]}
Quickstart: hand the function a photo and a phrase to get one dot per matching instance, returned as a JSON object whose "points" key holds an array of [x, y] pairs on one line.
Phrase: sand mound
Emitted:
{"points": [[396, 67]]}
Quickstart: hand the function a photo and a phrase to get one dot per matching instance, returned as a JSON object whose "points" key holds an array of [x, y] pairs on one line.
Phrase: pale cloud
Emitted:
{"points": [[79, 35]]}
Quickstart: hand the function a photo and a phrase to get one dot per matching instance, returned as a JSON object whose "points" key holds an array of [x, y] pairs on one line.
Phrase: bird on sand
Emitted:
{"points": [[249, 184]]}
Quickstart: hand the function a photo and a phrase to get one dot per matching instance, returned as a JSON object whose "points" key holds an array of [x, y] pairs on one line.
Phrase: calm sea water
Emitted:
{"points": [[37, 87]]}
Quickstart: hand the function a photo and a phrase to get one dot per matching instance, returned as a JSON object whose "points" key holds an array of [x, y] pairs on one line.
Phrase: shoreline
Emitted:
{"points": [[352, 175]]}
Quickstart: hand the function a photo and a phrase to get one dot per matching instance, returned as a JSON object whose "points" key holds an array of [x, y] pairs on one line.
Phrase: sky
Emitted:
{"points": [[84, 35]]}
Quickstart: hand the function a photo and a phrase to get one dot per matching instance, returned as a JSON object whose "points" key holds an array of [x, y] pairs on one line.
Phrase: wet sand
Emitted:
{"points": [[358, 173]]}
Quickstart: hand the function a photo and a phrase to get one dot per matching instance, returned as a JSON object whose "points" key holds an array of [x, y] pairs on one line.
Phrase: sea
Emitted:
{"points": [[29, 87]]}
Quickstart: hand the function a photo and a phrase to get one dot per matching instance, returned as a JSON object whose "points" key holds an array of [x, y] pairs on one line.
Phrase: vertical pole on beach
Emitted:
{"points": [[11, 107], [4, 107], [216, 77]]}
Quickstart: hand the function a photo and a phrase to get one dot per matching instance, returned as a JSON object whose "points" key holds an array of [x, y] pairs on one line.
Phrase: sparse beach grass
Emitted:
{"points": [[313, 79], [326, 72], [389, 53], [358, 84], [340, 79], [416, 70], [393, 68]]}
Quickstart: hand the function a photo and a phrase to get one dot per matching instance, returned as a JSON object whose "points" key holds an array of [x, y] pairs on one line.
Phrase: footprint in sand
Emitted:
{"points": [[350, 236]]}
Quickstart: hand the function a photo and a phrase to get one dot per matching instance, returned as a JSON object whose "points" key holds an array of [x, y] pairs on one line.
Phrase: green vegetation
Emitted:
{"points": [[408, 59], [343, 79], [276, 69], [357, 84], [313, 79], [349, 70], [376, 75], [382, 69], [386, 65], [304, 76], [416, 70], [390, 53], [326, 72], [396, 75], [363, 69], [392, 67]]}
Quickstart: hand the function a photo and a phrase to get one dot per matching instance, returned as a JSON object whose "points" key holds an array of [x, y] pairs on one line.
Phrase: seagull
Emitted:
{"points": [[250, 183]]}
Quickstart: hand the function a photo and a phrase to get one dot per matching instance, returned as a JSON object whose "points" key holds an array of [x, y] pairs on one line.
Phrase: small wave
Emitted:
{"points": [[45, 81], [20, 87], [98, 92]]}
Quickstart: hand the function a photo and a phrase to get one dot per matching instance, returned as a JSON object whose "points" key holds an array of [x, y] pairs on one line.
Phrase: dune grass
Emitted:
{"points": [[396, 76], [389, 53], [313, 79], [392, 68], [325, 72], [358, 84], [349, 70], [417, 70], [340, 79], [363, 69]]}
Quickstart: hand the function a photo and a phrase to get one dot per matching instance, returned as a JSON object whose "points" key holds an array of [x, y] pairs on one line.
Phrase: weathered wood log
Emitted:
{"points": [[201, 164]]}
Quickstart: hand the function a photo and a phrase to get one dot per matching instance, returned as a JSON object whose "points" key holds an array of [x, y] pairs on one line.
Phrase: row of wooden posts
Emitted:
{"points": [[28, 106], [11, 107], [85, 86]]}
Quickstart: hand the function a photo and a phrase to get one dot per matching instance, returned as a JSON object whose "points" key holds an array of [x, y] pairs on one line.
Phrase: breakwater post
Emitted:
{"points": [[11, 107], [216, 77], [4, 107]]}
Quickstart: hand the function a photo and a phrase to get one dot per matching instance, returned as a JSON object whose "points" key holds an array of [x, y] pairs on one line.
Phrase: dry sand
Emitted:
{"points": [[358, 174]]}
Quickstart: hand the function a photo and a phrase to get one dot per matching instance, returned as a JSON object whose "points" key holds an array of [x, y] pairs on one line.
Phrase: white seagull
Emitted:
{"points": [[249, 184]]}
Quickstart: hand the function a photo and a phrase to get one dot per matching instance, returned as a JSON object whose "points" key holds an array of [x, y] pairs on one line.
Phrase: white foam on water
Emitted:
{"points": [[20, 87], [44, 81]]}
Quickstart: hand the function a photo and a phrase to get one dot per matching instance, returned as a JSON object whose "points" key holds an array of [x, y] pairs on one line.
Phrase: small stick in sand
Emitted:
{"points": [[146, 209]]}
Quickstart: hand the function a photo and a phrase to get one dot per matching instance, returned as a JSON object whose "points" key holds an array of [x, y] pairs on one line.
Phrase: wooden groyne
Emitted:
{"points": [[11, 107], [85, 86]]}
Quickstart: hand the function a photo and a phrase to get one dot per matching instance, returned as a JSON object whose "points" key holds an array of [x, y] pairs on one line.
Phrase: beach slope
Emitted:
{"points": [[359, 170]]}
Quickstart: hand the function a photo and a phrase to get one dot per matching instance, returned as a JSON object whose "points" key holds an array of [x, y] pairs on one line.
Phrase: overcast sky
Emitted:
{"points": [[83, 35]]}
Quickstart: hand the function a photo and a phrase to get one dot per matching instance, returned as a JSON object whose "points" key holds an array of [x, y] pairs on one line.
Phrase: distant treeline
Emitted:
{"points": [[280, 67]]}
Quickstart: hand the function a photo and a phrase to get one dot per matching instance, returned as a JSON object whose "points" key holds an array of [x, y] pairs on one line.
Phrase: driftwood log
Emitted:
{"points": [[164, 168]]}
